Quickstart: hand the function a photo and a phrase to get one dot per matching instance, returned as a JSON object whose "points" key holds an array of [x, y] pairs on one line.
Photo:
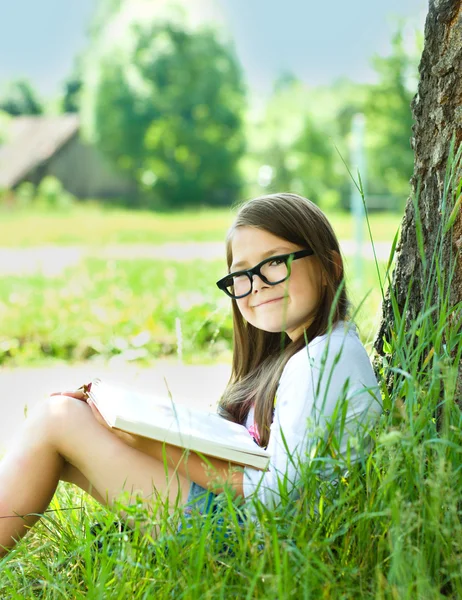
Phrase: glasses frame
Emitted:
{"points": [[288, 259]]}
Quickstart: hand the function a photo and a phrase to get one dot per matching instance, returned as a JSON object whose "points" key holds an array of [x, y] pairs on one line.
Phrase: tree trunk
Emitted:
{"points": [[437, 111]]}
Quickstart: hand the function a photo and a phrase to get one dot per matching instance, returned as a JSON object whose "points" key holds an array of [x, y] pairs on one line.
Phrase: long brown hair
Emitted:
{"points": [[259, 356]]}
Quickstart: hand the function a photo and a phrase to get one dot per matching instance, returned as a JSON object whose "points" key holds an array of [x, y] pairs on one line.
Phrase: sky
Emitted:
{"points": [[317, 41]]}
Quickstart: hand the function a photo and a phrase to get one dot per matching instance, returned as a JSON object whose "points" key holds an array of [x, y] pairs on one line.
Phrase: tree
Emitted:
{"points": [[20, 99], [73, 89], [428, 262], [166, 107], [389, 118], [293, 137], [4, 124]]}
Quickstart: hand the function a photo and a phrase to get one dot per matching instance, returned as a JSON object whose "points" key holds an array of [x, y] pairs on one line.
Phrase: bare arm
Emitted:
{"points": [[214, 476]]}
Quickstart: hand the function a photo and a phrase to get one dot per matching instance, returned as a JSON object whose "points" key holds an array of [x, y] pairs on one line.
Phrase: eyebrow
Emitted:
{"points": [[275, 251]]}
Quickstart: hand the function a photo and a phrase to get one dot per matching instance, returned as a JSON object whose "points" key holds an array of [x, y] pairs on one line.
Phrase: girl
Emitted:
{"points": [[296, 356]]}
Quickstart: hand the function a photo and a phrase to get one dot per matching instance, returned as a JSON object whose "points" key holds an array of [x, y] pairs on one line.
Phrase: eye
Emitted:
{"points": [[239, 277], [276, 262]]}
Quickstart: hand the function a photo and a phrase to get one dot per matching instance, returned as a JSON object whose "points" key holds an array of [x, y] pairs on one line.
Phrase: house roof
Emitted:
{"points": [[31, 141]]}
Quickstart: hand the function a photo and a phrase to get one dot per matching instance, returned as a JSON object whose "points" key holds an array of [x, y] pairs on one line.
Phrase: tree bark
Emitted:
{"points": [[437, 112]]}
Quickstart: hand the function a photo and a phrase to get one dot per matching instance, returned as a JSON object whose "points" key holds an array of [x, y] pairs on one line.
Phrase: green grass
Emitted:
{"points": [[92, 223], [139, 309], [389, 529]]}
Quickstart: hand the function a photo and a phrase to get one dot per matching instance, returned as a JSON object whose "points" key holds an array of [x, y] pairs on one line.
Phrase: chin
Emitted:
{"points": [[271, 327]]}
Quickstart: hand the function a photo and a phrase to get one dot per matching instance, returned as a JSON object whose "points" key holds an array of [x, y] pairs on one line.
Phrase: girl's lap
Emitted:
{"points": [[117, 475], [102, 464]]}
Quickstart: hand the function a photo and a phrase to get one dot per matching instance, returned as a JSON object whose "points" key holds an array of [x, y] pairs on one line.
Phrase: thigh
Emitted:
{"points": [[71, 474], [108, 468]]}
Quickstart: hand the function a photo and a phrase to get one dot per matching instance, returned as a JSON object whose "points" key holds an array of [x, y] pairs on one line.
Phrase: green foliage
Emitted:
{"points": [[51, 194], [389, 119], [72, 92], [4, 121], [96, 224], [317, 166], [20, 99], [24, 195], [294, 138], [138, 309], [291, 146], [48, 195], [166, 108], [99, 224]]}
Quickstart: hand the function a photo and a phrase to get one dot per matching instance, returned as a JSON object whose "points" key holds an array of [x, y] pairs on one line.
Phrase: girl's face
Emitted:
{"points": [[288, 306]]}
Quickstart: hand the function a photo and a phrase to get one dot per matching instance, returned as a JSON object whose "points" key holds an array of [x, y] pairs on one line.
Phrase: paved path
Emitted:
{"points": [[197, 385], [52, 260]]}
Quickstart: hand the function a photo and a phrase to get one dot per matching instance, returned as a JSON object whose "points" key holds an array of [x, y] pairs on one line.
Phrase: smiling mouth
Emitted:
{"points": [[268, 302]]}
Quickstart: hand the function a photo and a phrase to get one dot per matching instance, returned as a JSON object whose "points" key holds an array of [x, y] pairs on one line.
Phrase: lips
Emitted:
{"points": [[267, 302]]}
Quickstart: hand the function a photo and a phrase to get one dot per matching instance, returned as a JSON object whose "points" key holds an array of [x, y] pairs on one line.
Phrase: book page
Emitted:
{"points": [[161, 415]]}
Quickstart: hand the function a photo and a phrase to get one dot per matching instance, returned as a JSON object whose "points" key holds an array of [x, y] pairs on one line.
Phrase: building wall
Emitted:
{"points": [[86, 173]]}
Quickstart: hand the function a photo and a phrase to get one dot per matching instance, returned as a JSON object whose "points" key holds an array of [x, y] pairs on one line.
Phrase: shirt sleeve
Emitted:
{"points": [[310, 387]]}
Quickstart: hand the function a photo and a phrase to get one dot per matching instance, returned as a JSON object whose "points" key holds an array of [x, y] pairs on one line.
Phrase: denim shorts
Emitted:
{"points": [[199, 501], [202, 503]]}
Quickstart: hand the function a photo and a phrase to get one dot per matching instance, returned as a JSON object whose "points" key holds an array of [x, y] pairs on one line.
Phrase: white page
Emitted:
{"points": [[161, 414]]}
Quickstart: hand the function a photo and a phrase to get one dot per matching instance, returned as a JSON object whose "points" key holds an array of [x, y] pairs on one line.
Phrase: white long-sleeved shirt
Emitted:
{"points": [[314, 381]]}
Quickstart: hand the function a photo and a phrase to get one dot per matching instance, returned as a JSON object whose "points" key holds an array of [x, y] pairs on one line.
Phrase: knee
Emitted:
{"points": [[55, 414]]}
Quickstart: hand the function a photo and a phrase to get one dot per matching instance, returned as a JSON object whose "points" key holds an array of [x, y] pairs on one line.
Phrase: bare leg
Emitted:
{"points": [[62, 439], [72, 475]]}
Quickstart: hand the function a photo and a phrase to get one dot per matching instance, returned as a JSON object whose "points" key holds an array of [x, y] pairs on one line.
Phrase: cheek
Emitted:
{"points": [[305, 287], [242, 307], [247, 313]]}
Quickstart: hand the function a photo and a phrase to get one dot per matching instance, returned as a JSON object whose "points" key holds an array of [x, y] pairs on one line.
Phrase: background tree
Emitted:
{"points": [[4, 123], [389, 118], [292, 140], [165, 105], [73, 90], [20, 99], [294, 137], [428, 263]]}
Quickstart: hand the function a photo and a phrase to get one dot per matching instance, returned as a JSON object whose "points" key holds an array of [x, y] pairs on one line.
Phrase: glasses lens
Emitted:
{"points": [[237, 286], [275, 270], [241, 285]]}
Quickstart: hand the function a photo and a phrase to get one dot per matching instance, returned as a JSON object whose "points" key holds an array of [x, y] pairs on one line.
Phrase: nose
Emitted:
{"points": [[257, 283]]}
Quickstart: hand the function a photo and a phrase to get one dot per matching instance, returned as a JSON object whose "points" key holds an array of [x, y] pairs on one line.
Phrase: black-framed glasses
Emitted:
{"points": [[272, 270]]}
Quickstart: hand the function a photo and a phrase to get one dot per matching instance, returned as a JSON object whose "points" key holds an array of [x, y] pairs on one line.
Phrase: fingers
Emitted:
{"points": [[77, 394], [80, 394]]}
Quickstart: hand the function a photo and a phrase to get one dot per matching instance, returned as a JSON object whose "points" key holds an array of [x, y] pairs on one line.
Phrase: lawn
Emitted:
{"points": [[140, 309], [95, 224]]}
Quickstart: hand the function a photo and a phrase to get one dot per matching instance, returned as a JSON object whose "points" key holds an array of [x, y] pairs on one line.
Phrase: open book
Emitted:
{"points": [[163, 420]]}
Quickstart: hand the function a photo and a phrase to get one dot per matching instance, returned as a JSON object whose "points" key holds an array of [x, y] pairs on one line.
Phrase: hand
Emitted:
{"points": [[79, 394]]}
